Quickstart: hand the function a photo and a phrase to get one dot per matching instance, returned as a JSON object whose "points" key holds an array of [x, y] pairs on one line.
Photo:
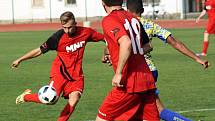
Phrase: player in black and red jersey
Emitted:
{"points": [[66, 71]]}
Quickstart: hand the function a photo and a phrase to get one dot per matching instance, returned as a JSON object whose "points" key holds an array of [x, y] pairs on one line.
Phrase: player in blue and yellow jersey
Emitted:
{"points": [[154, 30]]}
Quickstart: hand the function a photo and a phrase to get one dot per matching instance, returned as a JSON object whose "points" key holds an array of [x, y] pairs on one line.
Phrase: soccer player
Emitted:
{"points": [[210, 28], [132, 97], [154, 30], [66, 72]]}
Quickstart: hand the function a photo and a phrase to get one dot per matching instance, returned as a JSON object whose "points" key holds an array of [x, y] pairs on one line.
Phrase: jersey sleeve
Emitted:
{"points": [[113, 28], [96, 36], [160, 33], [52, 42]]}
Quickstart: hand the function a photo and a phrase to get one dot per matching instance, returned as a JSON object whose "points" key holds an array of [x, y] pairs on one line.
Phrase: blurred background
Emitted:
{"points": [[184, 85], [31, 11]]}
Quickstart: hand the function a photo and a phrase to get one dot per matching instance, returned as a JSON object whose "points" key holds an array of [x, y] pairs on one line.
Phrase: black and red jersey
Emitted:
{"points": [[70, 50]]}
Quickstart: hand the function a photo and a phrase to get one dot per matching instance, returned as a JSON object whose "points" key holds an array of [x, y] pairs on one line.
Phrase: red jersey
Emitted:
{"points": [[70, 50], [136, 74], [210, 8]]}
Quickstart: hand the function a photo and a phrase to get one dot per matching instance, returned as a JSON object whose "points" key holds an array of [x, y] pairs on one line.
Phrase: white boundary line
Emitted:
{"points": [[196, 110]]}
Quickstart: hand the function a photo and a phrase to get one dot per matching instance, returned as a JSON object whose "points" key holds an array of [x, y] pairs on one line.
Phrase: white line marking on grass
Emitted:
{"points": [[196, 110]]}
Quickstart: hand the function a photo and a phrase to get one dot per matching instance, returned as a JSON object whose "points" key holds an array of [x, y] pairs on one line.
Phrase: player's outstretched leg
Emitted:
{"points": [[168, 115], [26, 96], [20, 98], [70, 106]]}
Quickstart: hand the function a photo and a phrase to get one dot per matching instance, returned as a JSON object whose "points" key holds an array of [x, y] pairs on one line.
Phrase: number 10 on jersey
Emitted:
{"points": [[134, 31]]}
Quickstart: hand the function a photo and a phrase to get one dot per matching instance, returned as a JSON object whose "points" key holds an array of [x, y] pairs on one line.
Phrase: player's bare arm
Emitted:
{"points": [[178, 45], [31, 54], [124, 53], [200, 16]]}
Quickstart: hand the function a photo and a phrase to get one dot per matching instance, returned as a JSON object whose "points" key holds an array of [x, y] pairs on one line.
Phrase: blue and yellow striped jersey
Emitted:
{"points": [[153, 30]]}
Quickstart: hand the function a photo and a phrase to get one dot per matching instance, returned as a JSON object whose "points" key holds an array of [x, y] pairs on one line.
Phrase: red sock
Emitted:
{"points": [[65, 114], [205, 47], [32, 98]]}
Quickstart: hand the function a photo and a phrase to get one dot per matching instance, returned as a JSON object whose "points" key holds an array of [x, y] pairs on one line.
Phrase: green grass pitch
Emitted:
{"points": [[184, 85]]}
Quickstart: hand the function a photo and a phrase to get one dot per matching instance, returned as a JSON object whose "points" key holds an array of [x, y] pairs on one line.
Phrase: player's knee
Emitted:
{"points": [[74, 98]]}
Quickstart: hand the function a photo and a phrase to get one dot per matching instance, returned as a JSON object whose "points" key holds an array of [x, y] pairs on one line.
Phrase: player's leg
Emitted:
{"points": [[165, 114], [70, 106], [168, 115], [26, 96], [72, 91], [32, 98], [59, 81], [159, 104], [205, 43], [20, 99]]}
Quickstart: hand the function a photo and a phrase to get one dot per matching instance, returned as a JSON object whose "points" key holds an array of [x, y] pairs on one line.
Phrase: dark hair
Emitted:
{"points": [[135, 6], [113, 2], [66, 16]]}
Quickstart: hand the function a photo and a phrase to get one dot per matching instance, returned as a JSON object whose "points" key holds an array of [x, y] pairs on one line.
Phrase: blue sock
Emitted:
{"points": [[168, 115]]}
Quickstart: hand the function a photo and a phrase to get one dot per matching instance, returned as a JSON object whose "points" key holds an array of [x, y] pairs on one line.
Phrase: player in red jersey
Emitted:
{"points": [[154, 30], [210, 28], [132, 97], [66, 71]]}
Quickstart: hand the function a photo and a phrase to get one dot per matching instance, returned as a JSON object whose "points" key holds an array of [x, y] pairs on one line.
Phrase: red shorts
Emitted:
{"points": [[211, 26], [63, 85], [119, 105]]}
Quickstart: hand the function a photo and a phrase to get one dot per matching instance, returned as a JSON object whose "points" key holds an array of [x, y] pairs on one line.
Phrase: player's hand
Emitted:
{"points": [[116, 80], [15, 64], [106, 59], [197, 20]]}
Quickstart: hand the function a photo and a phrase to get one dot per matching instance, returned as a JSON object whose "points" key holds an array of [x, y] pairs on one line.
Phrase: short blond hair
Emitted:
{"points": [[66, 16]]}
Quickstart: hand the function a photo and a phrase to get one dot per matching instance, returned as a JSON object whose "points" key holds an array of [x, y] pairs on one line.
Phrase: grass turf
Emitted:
{"points": [[183, 84]]}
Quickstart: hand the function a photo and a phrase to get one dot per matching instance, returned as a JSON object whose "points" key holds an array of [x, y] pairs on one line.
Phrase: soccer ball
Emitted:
{"points": [[47, 94]]}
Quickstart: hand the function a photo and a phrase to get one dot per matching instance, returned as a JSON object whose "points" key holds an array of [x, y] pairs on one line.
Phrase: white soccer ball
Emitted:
{"points": [[47, 94]]}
